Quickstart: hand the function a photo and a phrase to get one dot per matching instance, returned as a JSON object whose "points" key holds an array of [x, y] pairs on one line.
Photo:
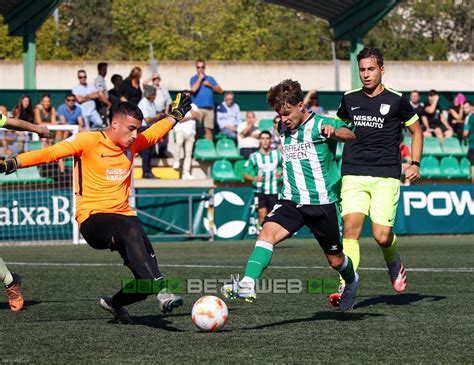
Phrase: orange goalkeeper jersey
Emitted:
{"points": [[102, 170]]}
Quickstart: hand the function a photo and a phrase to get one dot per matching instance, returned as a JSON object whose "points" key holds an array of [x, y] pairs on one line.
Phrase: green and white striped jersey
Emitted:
{"points": [[265, 165], [310, 172]]}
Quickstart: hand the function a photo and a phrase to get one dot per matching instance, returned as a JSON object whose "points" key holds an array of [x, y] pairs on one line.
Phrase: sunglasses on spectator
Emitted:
{"points": [[200, 67], [72, 99], [82, 77]]}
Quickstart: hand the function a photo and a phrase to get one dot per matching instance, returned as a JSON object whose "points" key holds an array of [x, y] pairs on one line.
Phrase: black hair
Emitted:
{"points": [[265, 132], [100, 65], [129, 109], [115, 77], [369, 52]]}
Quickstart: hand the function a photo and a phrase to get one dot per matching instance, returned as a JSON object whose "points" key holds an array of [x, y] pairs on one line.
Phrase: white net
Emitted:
{"points": [[37, 204]]}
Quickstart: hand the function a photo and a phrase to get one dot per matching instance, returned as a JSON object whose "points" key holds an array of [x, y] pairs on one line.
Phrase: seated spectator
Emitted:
{"points": [[150, 116], [14, 142], [434, 120], [115, 96], [130, 88], [163, 99], [85, 96], [468, 134], [228, 116], [70, 113], [456, 115], [24, 109], [248, 135], [311, 102], [44, 112], [185, 134], [275, 132]]}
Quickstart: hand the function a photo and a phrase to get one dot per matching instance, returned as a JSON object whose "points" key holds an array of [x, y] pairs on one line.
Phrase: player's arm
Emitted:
{"points": [[181, 105], [70, 147], [411, 121], [342, 112], [250, 172], [21, 125], [335, 128]]}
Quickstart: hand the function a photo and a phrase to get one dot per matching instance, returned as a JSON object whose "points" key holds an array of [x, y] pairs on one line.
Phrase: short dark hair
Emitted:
{"points": [[128, 109], [369, 52], [78, 72], [286, 92], [432, 92], [415, 91], [200, 61], [101, 64], [115, 77], [265, 132], [69, 94]]}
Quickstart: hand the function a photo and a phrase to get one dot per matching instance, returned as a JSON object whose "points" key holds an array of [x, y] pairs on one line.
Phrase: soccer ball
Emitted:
{"points": [[209, 313]]}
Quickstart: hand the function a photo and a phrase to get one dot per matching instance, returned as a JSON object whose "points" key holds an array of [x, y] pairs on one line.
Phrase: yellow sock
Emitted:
{"points": [[351, 249], [390, 253]]}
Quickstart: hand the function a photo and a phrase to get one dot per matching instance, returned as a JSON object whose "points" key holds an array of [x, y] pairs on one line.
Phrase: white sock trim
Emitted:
{"points": [[344, 264], [264, 244]]}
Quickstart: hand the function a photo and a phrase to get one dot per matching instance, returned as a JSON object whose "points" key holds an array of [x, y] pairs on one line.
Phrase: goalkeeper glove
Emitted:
{"points": [[181, 105], [8, 166]]}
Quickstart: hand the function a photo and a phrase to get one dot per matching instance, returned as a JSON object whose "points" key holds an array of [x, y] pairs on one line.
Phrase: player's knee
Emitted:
{"points": [[335, 261], [383, 238]]}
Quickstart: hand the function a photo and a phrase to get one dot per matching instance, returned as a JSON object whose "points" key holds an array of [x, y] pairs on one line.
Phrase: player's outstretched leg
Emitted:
{"points": [[258, 261], [12, 282], [120, 313], [396, 270], [351, 249]]}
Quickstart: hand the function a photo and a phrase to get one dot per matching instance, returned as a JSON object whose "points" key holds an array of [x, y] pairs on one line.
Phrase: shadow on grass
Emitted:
{"points": [[321, 316], [398, 299], [28, 303], [155, 321]]}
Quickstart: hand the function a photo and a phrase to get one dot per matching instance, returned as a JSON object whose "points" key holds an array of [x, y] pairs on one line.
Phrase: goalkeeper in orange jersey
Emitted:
{"points": [[103, 168], [11, 280]]}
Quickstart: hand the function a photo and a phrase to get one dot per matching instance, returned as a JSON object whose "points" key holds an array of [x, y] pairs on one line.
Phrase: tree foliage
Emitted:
{"points": [[239, 30]]}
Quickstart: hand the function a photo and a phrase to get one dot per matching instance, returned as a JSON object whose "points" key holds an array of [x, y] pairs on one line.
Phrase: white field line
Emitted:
{"points": [[413, 269]]}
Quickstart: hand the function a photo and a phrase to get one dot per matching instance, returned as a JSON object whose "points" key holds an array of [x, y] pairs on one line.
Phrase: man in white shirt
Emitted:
{"points": [[150, 116], [185, 134], [85, 95], [248, 135], [228, 116]]}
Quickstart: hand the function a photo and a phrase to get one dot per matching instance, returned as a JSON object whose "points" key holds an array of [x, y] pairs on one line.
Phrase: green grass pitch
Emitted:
{"points": [[432, 322]]}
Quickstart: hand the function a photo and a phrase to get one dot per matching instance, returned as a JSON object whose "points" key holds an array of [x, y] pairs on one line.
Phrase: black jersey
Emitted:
{"points": [[378, 125]]}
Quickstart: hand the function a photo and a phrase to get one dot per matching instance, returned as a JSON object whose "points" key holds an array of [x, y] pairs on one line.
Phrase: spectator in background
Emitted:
{"points": [[130, 89], [70, 113], [185, 134], [469, 134], [275, 132], [85, 96], [416, 103], [203, 88], [456, 115], [163, 105], [311, 102], [102, 103], [150, 116], [248, 135], [44, 112], [163, 99], [24, 109], [228, 116], [434, 120], [114, 94]]}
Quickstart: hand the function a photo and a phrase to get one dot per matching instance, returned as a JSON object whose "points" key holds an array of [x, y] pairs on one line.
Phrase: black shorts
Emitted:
{"points": [[266, 201], [470, 155], [109, 231], [324, 221]]}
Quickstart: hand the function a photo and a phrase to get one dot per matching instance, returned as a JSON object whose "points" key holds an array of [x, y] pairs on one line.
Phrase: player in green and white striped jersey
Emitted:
{"points": [[311, 184], [263, 168]]}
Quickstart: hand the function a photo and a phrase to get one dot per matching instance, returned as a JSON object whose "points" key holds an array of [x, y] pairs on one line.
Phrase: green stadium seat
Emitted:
{"points": [[222, 171], [226, 149], [220, 136], [9, 179], [452, 147], [204, 150], [465, 167], [31, 174], [430, 168], [339, 149], [265, 124], [34, 145], [464, 147], [431, 147], [450, 167], [239, 169]]}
